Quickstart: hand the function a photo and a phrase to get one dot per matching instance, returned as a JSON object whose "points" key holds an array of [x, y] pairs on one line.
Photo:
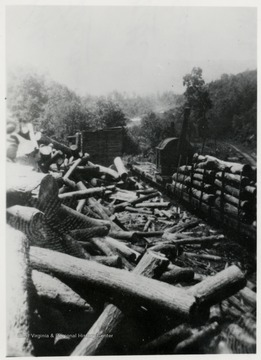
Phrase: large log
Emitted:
{"points": [[116, 283], [54, 291], [234, 179], [106, 171], [28, 220], [177, 274], [212, 163], [219, 287], [244, 204], [121, 168], [111, 317], [231, 210], [193, 240], [19, 283], [207, 188]]}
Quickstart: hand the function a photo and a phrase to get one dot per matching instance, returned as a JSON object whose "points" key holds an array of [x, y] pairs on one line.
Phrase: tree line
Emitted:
{"points": [[224, 108]]}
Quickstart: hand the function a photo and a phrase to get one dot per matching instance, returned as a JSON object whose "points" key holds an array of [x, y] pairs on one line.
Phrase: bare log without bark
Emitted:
{"points": [[106, 171], [157, 205], [149, 266], [55, 291], [216, 288], [233, 178], [115, 282], [120, 168], [18, 283], [240, 340]]}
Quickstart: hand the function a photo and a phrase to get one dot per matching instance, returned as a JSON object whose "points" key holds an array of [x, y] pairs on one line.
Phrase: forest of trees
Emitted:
{"points": [[222, 109]]}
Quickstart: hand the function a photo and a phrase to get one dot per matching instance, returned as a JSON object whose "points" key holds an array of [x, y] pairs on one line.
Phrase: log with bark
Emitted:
{"points": [[166, 342], [87, 233], [177, 274], [199, 338], [116, 283], [150, 265], [239, 340], [28, 220], [18, 295]]}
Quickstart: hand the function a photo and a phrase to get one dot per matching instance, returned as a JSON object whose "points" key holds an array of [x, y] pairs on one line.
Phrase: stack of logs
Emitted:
{"points": [[218, 188], [80, 283]]}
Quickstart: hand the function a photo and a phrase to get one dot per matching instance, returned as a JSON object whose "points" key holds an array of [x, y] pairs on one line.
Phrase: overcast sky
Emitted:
{"points": [[96, 50]]}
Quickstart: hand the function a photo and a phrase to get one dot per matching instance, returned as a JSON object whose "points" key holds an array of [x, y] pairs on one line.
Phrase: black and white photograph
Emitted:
{"points": [[130, 178]]}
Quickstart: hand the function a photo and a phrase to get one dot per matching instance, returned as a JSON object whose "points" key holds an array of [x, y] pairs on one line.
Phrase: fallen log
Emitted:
{"points": [[138, 211], [111, 317], [28, 220], [218, 287], [18, 291], [203, 256], [53, 290], [192, 240], [240, 341], [106, 171], [145, 191], [121, 168], [231, 210], [169, 250], [234, 179], [113, 260], [166, 342], [121, 248], [87, 233], [212, 163], [116, 283], [181, 226], [244, 204], [249, 297], [81, 194], [88, 172], [163, 204], [198, 338], [177, 274]]}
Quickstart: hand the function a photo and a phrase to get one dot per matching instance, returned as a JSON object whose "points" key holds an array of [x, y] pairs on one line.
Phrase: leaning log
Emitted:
{"points": [[116, 283], [219, 287], [111, 317], [19, 283], [106, 171]]}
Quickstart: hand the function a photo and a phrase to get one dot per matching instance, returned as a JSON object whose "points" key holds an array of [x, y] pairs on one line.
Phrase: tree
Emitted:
{"points": [[197, 98]]}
